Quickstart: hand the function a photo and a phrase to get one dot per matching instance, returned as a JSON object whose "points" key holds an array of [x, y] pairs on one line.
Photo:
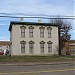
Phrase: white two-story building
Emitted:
{"points": [[30, 38]]}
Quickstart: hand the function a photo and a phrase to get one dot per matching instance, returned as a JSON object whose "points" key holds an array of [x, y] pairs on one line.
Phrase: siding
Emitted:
{"points": [[16, 39]]}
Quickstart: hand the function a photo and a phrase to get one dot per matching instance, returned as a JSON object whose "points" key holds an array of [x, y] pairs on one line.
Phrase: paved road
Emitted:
{"points": [[47, 69]]}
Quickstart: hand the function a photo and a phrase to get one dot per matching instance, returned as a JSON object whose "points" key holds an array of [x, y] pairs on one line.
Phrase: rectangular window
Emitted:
{"points": [[42, 47], [49, 33], [31, 47], [49, 47], [22, 48], [30, 32], [22, 32], [41, 32]]}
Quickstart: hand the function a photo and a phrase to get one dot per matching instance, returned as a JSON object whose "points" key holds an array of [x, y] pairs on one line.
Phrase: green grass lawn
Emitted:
{"points": [[35, 58]]}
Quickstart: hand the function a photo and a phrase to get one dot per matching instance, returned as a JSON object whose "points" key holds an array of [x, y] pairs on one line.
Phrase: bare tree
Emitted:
{"points": [[64, 36]]}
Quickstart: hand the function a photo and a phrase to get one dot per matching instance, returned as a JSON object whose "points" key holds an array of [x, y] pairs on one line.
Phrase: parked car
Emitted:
{"points": [[1, 52]]}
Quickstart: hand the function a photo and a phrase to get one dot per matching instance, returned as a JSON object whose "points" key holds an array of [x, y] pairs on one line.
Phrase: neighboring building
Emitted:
{"points": [[69, 47], [72, 46], [30, 38], [4, 45]]}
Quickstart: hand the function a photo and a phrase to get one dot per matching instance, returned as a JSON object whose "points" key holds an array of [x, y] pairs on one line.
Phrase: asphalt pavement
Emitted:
{"points": [[38, 69], [37, 63]]}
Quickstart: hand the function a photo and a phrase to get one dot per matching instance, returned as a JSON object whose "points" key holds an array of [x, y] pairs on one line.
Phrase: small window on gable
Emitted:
{"points": [[7, 46]]}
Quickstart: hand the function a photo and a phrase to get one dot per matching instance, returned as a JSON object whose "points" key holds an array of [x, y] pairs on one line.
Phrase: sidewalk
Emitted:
{"points": [[37, 63]]}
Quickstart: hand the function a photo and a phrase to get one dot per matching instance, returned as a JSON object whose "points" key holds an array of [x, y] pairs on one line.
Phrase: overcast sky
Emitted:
{"points": [[40, 7]]}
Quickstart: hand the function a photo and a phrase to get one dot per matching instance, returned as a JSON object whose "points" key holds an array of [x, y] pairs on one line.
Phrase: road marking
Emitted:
{"points": [[45, 71]]}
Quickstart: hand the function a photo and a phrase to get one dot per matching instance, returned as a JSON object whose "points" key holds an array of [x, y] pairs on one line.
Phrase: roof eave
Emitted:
{"points": [[31, 23]]}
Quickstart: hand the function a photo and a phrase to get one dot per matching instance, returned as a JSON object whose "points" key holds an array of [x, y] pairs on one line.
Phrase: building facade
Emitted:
{"points": [[29, 38]]}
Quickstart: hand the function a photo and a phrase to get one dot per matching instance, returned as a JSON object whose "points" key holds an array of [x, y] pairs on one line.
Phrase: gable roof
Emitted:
{"points": [[30, 23], [5, 43]]}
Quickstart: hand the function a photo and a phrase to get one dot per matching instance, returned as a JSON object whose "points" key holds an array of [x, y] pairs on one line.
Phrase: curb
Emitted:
{"points": [[35, 63]]}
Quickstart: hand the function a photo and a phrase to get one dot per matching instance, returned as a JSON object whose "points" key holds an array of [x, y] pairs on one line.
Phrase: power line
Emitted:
{"points": [[39, 17], [34, 14], [11, 15]]}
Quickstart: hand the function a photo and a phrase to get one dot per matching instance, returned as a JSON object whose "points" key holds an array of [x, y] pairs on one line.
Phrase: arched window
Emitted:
{"points": [[23, 46], [42, 46], [49, 31], [42, 31], [49, 46], [31, 46], [31, 31], [22, 31]]}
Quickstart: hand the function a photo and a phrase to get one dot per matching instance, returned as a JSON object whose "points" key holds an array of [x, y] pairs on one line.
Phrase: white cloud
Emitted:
{"points": [[47, 7], [37, 7]]}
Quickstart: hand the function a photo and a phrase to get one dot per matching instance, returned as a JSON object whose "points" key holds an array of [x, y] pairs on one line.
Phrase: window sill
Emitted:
{"points": [[31, 37], [23, 37]]}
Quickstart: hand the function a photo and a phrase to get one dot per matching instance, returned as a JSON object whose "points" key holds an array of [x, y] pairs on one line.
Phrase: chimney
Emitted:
{"points": [[21, 19], [39, 20]]}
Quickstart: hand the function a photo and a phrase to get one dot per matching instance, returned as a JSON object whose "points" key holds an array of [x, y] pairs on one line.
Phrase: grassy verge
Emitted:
{"points": [[35, 58]]}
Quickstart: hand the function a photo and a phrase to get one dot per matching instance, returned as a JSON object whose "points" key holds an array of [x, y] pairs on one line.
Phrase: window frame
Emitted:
{"points": [[42, 46], [23, 31], [31, 47], [42, 31], [31, 31], [49, 46], [49, 31], [23, 46]]}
